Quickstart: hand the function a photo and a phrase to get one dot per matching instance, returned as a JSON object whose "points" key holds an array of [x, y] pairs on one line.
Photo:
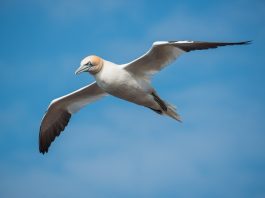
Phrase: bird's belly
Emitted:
{"points": [[132, 94], [129, 89]]}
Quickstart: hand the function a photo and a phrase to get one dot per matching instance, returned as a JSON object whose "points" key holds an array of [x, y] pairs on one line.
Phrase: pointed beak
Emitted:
{"points": [[82, 68]]}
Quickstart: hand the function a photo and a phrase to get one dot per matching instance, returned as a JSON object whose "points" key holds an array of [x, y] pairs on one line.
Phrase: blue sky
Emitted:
{"points": [[113, 148]]}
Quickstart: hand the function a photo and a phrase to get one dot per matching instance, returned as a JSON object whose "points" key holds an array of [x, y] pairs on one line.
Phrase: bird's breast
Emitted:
{"points": [[122, 84], [115, 80]]}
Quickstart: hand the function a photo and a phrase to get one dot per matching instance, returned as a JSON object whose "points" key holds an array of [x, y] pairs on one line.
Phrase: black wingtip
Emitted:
{"points": [[43, 151], [248, 42], [245, 42], [48, 135]]}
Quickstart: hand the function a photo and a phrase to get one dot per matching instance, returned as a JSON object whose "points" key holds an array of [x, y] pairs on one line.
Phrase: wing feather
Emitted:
{"points": [[60, 110], [162, 53]]}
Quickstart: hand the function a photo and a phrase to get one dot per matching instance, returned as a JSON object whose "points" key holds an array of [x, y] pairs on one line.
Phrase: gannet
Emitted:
{"points": [[130, 81]]}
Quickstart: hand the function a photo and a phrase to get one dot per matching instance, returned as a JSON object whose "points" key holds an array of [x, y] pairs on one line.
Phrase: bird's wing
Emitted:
{"points": [[60, 110], [163, 53]]}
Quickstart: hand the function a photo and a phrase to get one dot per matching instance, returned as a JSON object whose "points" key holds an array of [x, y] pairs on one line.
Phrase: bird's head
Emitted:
{"points": [[92, 64]]}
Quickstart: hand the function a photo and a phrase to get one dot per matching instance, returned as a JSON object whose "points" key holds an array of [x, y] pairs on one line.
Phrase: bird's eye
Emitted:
{"points": [[89, 64]]}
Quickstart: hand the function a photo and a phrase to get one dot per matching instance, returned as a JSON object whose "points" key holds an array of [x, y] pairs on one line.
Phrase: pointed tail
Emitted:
{"points": [[166, 108], [172, 112]]}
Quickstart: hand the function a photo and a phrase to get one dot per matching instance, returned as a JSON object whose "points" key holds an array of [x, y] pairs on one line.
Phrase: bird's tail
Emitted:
{"points": [[172, 112], [165, 108]]}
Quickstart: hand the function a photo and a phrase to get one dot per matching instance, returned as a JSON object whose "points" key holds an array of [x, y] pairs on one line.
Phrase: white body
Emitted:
{"points": [[117, 81]]}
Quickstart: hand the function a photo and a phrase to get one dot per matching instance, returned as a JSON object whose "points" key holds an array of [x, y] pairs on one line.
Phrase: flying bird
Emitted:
{"points": [[130, 81]]}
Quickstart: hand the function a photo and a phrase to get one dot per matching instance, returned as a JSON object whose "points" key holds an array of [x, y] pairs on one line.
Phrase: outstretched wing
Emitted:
{"points": [[163, 53], [60, 110]]}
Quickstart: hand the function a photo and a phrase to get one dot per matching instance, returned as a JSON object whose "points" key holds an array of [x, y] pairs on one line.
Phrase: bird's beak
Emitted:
{"points": [[82, 68]]}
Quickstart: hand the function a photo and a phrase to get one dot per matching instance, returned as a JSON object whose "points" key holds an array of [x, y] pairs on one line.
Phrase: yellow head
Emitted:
{"points": [[92, 64]]}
